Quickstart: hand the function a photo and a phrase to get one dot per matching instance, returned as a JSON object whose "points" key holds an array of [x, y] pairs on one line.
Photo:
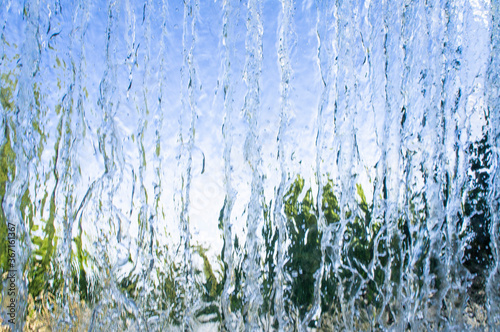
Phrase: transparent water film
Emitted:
{"points": [[249, 165]]}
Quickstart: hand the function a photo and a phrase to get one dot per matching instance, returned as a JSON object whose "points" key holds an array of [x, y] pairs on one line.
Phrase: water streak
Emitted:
{"points": [[252, 108]]}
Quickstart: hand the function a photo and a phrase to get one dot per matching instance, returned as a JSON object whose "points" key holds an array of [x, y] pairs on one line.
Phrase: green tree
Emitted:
{"points": [[478, 252], [304, 253]]}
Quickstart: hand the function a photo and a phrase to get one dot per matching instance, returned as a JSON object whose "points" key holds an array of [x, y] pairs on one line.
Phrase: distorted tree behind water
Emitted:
{"points": [[258, 165]]}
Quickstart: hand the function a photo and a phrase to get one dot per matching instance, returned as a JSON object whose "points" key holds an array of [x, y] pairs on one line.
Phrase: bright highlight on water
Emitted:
{"points": [[251, 165]]}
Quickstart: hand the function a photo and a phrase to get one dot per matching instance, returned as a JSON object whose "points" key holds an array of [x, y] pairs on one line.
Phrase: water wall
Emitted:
{"points": [[256, 165]]}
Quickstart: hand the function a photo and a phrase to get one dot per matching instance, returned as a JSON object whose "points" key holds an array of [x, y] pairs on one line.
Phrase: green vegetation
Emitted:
{"points": [[7, 162], [7, 172], [478, 256], [305, 249], [270, 237], [8, 86], [366, 257]]}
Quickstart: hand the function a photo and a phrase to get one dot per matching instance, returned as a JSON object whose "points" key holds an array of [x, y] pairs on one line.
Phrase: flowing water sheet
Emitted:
{"points": [[249, 165]]}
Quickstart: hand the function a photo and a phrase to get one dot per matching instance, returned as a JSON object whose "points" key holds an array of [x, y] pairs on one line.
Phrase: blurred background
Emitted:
{"points": [[250, 165]]}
